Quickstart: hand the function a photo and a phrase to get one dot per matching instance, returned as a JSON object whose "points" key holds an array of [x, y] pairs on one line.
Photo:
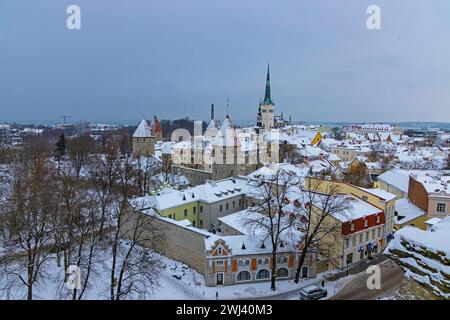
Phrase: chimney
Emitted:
{"points": [[212, 111]]}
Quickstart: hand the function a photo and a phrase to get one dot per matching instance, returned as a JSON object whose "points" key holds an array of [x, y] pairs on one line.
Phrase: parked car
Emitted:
{"points": [[313, 293]]}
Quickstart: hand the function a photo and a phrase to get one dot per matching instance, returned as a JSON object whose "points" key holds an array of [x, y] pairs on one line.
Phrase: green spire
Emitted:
{"points": [[267, 98]]}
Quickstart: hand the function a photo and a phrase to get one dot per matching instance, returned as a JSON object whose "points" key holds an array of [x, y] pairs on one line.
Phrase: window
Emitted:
{"points": [[266, 261], [201, 209], [360, 237], [234, 204], [226, 206], [379, 232], [352, 227], [219, 250], [259, 261], [170, 216], [201, 223], [247, 262], [194, 210], [185, 212], [304, 272], [366, 223], [282, 273], [263, 274], [240, 202], [240, 263], [441, 207], [219, 279], [220, 208], [193, 223], [378, 219], [347, 243], [219, 263], [349, 258], [367, 236], [244, 276], [373, 234]]}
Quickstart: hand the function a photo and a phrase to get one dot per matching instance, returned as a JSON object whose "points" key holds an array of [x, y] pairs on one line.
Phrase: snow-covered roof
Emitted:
{"points": [[436, 239], [433, 221], [209, 192], [440, 185], [247, 244], [397, 179], [406, 211], [143, 130], [383, 195], [298, 170], [357, 208], [240, 222]]}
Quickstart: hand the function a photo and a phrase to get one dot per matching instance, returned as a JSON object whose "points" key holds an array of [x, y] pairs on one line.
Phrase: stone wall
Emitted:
{"points": [[195, 176], [180, 243], [413, 258]]}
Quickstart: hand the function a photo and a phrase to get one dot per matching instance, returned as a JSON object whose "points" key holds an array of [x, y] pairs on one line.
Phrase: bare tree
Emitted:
{"points": [[319, 204], [78, 150], [28, 223], [87, 241], [358, 174], [104, 169], [134, 266], [146, 168], [273, 215]]}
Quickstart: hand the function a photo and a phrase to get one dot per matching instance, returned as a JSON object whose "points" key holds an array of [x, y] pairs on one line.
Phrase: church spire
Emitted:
{"points": [[267, 97]]}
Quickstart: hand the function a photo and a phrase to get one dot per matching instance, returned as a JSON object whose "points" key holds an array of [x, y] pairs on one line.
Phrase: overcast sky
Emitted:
{"points": [[174, 58]]}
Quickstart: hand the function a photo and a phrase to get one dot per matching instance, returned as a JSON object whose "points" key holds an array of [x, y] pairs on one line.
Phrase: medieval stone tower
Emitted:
{"points": [[143, 140]]}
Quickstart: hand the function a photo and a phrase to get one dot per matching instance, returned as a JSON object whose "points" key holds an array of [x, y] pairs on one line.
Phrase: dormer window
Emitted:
{"points": [[366, 223], [352, 227], [219, 263], [378, 219]]}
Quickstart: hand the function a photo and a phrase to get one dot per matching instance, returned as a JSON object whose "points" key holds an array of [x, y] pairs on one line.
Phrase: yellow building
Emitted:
{"points": [[351, 235], [377, 197]]}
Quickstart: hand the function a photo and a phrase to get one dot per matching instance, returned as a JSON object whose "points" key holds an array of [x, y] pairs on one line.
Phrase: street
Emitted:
{"points": [[356, 289]]}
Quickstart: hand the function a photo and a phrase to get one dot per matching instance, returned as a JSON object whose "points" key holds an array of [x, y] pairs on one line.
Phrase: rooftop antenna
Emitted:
{"points": [[65, 118]]}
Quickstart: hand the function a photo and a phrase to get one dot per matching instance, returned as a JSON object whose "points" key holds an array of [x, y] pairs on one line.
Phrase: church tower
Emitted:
{"points": [[266, 111], [157, 129]]}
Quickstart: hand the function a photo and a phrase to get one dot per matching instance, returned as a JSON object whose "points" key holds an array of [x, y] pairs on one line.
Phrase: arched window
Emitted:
{"points": [[244, 276], [282, 273], [263, 274]]}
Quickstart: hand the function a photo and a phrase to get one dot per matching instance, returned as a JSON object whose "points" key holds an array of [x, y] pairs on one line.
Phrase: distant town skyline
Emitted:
{"points": [[175, 58]]}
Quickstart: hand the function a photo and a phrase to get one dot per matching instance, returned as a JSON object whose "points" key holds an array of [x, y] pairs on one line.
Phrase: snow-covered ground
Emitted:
{"points": [[176, 281], [425, 255]]}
